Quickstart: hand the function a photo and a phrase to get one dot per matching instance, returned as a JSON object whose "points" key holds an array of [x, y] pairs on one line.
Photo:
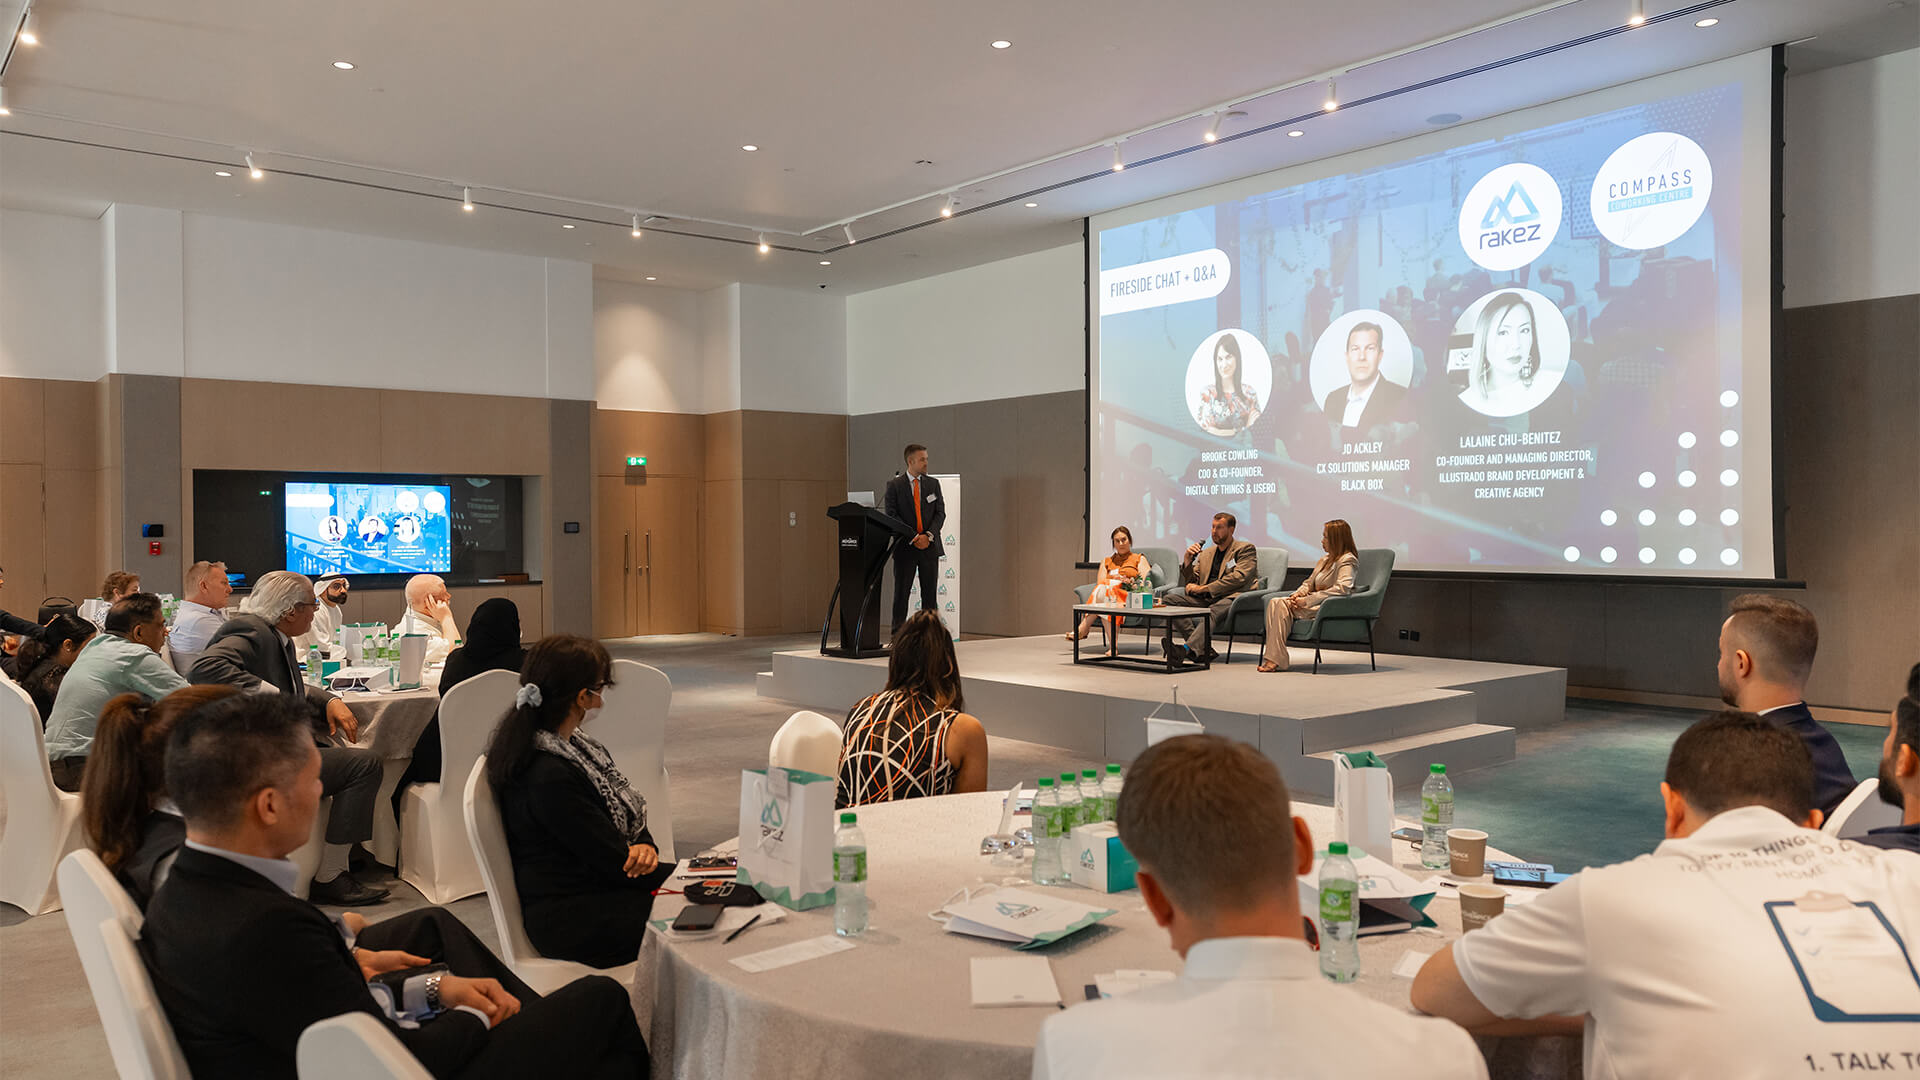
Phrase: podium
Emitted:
{"points": [[867, 537]]}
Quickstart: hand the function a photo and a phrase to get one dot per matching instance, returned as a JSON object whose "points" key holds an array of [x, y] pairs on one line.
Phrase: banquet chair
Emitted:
{"points": [[807, 741], [104, 923], [43, 822], [1861, 811], [307, 856], [632, 725], [488, 835], [434, 854], [354, 1044]]}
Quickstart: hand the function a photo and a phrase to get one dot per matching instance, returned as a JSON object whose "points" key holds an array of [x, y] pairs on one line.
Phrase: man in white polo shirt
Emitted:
{"points": [[1747, 944], [1211, 823]]}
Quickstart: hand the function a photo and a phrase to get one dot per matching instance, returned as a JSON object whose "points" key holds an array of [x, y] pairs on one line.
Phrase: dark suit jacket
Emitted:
{"points": [[1892, 837], [161, 835], [560, 835], [1832, 780], [243, 968], [247, 651], [933, 509], [1381, 408]]}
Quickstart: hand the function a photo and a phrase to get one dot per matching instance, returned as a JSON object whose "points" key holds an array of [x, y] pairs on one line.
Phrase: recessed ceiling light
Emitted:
{"points": [[748, 147], [221, 172], [1704, 23], [1443, 119], [1031, 205], [1295, 133], [566, 224], [653, 279], [1003, 44], [343, 65], [826, 262]]}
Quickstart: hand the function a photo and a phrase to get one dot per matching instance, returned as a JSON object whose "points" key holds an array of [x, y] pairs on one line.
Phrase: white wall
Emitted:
{"points": [[647, 348], [1849, 170], [793, 350], [52, 297], [1006, 329]]}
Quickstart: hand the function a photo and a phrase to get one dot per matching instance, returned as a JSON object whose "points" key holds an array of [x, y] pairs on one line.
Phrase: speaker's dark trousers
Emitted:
{"points": [[908, 560]]}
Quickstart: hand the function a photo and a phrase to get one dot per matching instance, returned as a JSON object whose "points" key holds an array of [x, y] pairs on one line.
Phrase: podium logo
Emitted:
{"points": [[850, 541], [1510, 216], [1651, 190]]}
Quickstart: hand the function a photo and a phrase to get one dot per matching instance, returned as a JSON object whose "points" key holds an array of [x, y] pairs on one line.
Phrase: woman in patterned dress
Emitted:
{"points": [[1227, 407], [912, 740], [1117, 571]]}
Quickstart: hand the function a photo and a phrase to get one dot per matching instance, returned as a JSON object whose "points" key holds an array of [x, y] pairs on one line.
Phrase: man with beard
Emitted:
{"points": [[1900, 773], [329, 617], [1766, 654]]}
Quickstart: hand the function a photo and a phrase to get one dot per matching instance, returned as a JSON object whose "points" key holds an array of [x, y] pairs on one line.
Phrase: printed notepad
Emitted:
{"points": [[1013, 980]]}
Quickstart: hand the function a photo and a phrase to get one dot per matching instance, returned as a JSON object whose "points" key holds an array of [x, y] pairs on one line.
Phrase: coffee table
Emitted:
{"points": [[1163, 615]]}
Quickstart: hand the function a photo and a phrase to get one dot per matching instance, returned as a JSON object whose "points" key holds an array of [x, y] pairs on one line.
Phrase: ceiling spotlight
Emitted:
{"points": [[653, 279], [848, 229], [1003, 44], [1333, 97], [1295, 133], [749, 147], [4, 111], [826, 262], [1119, 162], [343, 65], [764, 246], [1639, 16], [947, 210], [566, 225], [466, 199], [29, 29], [252, 169], [636, 226], [1704, 23], [1213, 129], [1031, 205]]}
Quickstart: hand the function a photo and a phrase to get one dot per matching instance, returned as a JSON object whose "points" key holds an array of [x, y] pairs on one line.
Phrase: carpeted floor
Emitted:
{"points": [[1581, 792]]}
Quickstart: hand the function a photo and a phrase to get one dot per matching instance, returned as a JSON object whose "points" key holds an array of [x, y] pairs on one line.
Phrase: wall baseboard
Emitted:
{"points": [[1823, 713]]}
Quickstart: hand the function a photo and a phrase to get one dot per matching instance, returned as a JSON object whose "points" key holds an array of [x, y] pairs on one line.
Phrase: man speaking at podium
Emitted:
{"points": [[914, 497]]}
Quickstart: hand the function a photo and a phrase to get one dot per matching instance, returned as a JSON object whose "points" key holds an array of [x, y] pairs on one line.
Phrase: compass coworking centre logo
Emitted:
{"points": [[1651, 190], [1510, 216]]}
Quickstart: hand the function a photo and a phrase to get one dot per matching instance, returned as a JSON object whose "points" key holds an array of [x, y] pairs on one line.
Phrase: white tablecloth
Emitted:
{"points": [[899, 1003], [390, 723]]}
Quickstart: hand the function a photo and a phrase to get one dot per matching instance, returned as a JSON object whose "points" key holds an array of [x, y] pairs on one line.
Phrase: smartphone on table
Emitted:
{"points": [[1528, 877], [697, 917]]}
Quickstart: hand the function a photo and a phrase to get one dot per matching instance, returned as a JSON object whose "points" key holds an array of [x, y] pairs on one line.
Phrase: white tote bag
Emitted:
{"points": [[1363, 803], [786, 836]]}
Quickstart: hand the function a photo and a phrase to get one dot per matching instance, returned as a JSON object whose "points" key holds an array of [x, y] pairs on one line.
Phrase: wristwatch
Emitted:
{"points": [[433, 993]]}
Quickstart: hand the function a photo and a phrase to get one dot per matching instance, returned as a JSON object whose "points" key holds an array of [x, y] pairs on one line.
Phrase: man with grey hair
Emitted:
{"points": [[430, 612], [1220, 853], [254, 651], [203, 610]]}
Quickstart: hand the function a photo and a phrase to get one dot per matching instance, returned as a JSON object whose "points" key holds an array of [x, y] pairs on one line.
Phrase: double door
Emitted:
{"points": [[646, 556]]}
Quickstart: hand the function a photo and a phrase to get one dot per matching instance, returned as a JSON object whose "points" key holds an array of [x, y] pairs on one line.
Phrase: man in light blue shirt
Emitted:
{"points": [[123, 660], [202, 612]]}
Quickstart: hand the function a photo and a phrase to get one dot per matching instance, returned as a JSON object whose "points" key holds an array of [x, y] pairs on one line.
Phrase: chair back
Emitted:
{"points": [[1273, 567], [183, 661], [42, 821], [1163, 563], [1860, 811], [488, 835], [808, 740], [354, 1044], [633, 727], [468, 715], [1371, 570], [104, 923]]}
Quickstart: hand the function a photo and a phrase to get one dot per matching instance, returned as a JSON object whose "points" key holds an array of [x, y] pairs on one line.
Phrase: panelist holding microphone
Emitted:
{"points": [[914, 497], [1209, 578]]}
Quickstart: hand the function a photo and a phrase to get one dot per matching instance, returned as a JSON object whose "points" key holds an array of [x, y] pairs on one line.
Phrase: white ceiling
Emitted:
{"points": [[592, 108]]}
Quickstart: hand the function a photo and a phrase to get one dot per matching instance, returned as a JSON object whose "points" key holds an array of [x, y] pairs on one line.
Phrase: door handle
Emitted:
{"points": [[626, 552], [649, 541]]}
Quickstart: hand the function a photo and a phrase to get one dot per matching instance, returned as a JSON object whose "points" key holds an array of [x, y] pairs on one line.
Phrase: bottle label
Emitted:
{"points": [[1336, 902], [849, 867], [1429, 810]]}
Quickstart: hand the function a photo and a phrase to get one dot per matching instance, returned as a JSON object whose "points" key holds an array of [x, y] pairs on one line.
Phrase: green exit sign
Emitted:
{"points": [[631, 461]]}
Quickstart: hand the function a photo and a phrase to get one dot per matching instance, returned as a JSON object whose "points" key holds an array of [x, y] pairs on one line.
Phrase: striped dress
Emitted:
{"points": [[895, 748]]}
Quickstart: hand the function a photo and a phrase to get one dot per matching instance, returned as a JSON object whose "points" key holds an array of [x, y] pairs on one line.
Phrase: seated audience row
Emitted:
{"points": [[46, 655]]}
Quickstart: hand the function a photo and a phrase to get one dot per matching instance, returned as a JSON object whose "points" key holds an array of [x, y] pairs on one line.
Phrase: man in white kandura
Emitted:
{"points": [[331, 591], [430, 612], [1211, 822]]}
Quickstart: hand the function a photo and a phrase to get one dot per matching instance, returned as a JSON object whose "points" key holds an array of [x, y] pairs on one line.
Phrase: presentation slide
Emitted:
{"points": [[1539, 343], [368, 529]]}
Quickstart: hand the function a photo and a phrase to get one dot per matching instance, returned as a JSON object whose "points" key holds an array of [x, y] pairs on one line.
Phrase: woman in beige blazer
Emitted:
{"points": [[1332, 576]]}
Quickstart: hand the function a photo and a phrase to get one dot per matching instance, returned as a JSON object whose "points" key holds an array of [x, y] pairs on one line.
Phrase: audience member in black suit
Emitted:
{"points": [[255, 647], [242, 967], [582, 857], [1766, 653], [1900, 772], [45, 656], [130, 822], [914, 497], [492, 644]]}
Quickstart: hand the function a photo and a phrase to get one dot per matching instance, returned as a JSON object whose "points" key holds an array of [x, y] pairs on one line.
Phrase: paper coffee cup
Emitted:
{"points": [[1467, 848], [1478, 903]]}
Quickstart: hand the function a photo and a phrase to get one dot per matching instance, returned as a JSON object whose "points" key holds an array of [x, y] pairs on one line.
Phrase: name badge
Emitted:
{"points": [[931, 496]]}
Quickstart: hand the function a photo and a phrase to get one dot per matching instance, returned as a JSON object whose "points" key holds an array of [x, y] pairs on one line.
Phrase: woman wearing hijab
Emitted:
{"points": [[492, 644], [583, 860]]}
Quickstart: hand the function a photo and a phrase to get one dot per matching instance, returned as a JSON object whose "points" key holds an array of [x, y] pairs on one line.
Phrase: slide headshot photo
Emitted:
{"points": [[1229, 382], [1512, 345], [1361, 368]]}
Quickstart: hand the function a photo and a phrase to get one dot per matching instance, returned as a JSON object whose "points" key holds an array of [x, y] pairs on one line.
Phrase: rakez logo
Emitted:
{"points": [[1086, 858], [1015, 911], [1510, 216], [773, 820]]}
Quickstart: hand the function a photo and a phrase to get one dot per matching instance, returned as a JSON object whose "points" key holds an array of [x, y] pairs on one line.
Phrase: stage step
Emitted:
{"points": [[1468, 746], [764, 684], [1384, 718]]}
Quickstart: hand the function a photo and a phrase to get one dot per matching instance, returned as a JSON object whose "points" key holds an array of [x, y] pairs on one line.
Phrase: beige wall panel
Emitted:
{"points": [[72, 529], [72, 426], [723, 446], [469, 434], [105, 543], [793, 446], [761, 523], [23, 537], [248, 425], [722, 608], [23, 421], [613, 579], [674, 444], [797, 574]]}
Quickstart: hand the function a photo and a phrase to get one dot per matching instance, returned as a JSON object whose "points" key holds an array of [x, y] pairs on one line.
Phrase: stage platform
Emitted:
{"points": [[1412, 711]]}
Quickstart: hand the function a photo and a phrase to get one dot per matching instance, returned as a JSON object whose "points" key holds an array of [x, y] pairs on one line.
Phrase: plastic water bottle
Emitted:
{"points": [[849, 877], [1072, 809], [1110, 785], [1093, 808], [1046, 826], [1436, 817], [1339, 916], [313, 666]]}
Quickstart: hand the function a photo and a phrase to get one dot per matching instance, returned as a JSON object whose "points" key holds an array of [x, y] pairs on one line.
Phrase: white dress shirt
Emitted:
{"points": [[1246, 1007], [1357, 402], [1681, 961], [194, 626]]}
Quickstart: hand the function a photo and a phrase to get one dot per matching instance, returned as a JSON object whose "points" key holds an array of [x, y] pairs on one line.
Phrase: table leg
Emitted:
{"points": [[1073, 631]]}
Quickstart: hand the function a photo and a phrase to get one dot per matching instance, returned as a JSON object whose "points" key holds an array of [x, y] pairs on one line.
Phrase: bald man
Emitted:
{"points": [[1766, 654], [430, 612]]}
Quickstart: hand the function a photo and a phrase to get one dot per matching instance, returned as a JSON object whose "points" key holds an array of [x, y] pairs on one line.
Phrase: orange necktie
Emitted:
{"points": [[918, 525]]}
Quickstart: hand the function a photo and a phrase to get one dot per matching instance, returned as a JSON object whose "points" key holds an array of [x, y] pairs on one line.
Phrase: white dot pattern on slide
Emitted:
{"points": [[1646, 555], [1608, 517], [1729, 477], [1688, 517], [1687, 556], [1729, 398], [1572, 554], [1648, 517], [1729, 556], [1607, 554], [1687, 440], [1646, 479], [1728, 437], [1686, 478], [1729, 517]]}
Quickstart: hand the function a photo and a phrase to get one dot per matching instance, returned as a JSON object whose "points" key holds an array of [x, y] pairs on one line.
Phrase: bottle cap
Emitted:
{"points": [[1067, 777], [1338, 847], [848, 818], [1046, 781], [1087, 774], [1113, 770], [1436, 768]]}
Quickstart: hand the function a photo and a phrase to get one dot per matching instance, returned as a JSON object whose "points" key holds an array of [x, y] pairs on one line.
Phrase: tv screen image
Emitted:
{"points": [[364, 528]]}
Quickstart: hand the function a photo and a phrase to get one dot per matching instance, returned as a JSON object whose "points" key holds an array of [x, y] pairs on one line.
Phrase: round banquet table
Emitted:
{"points": [[390, 723], [900, 1002]]}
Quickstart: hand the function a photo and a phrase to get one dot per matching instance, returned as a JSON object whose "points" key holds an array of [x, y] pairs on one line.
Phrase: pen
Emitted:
{"points": [[740, 931]]}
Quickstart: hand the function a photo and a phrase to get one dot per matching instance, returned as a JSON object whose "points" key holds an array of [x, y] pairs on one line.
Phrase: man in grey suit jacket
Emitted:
{"points": [[254, 651], [1209, 578]]}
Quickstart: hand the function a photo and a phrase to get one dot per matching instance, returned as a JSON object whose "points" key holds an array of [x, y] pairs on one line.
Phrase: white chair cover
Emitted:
{"points": [[808, 740], [1861, 811], [104, 923], [354, 1045], [43, 822], [307, 855], [435, 856], [633, 726]]}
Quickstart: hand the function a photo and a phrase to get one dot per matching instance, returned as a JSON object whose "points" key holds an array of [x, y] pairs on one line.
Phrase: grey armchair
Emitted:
{"points": [[1349, 619], [1248, 615]]}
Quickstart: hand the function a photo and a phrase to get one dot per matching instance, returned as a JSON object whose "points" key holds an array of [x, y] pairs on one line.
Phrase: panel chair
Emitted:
{"points": [[488, 835], [354, 1045], [1247, 617], [1349, 619], [1861, 811], [43, 822], [808, 740], [104, 923], [632, 725], [435, 857]]}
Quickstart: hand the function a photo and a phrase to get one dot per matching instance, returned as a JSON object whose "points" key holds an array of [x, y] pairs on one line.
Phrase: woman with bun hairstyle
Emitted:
{"points": [[46, 654]]}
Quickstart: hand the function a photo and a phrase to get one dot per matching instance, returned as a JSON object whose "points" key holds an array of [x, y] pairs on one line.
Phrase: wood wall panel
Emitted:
{"points": [[674, 444], [723, 446], [723, 555], [469, 434], [23, 537], [72, 426], [23, 409], [73, 521], [668, 531]]}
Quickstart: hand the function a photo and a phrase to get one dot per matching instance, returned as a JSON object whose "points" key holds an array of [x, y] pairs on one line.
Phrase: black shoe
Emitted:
{"points": [[344, 891], [1176, 654], [1212, 656], [359, 858]]}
